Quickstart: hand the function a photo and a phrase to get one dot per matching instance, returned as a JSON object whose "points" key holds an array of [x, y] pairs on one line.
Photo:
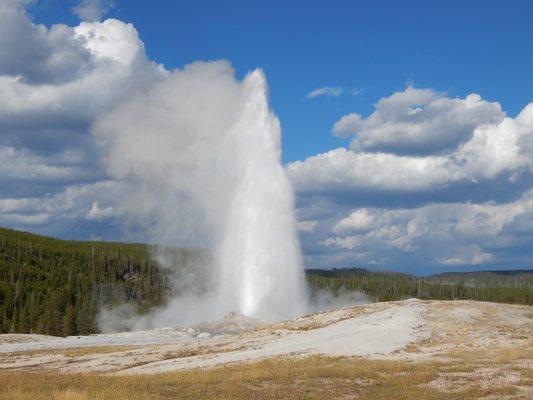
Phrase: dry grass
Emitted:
{"points": [[70, 352], [493, 356], [308, 378]]}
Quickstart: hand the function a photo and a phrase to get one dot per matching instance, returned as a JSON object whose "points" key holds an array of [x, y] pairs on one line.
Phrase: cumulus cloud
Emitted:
{"points": [[470, 255], [96, 213], [22, 165], [418, 121], [343, 170], [93, 10], [434, 234], [117, 64], [492, 149], [452, 205], [360, 219], [346, 126], [36, 54], [64, 211], [102, 61], [53, 83]]}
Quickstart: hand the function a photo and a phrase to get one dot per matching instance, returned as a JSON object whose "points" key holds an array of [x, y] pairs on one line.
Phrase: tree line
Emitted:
{"points": [[500, 286], [57, 287]]}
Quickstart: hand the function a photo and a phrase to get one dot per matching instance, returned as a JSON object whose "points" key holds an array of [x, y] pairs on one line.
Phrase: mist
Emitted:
{"points": [[323, 300], [201, 150]]}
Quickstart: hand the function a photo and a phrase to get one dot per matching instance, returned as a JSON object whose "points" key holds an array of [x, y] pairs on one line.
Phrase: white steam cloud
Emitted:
{"points": [[203, 151]]}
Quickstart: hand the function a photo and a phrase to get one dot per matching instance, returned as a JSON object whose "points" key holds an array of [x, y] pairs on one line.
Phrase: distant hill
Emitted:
{"points": [[523, 273], [56, 287], [498, 286], [503, 272], [514, 278]]}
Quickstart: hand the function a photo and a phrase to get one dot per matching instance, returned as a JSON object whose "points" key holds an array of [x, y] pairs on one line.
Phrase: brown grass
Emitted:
{"points": [[70, 352], [308, 378], [493, 356]]}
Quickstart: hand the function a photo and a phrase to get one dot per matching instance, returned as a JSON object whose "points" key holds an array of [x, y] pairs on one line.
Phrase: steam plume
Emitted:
{"points": [[202, 152]]}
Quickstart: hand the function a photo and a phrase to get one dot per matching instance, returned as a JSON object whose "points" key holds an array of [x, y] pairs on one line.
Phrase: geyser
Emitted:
{"points": [[259, 253], [201, 154]]}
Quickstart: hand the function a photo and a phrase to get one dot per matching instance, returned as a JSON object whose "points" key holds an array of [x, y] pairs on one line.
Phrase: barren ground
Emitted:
{"points": [[463, 349]]}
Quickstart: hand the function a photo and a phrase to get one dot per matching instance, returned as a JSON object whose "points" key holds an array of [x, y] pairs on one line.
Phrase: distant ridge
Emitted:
{"points": [[355, 270], [509, 272]]}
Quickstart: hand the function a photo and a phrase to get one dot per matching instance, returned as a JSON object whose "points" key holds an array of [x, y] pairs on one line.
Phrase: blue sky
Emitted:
{"points": [[407, 126]]}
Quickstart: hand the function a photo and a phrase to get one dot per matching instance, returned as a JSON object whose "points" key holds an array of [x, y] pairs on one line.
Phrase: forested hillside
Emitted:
{"points": [[56, 287], [498, 286]]}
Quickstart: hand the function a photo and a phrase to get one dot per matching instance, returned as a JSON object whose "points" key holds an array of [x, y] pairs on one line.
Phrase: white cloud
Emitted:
{"points": [[418, 121], [93, 10], [493, 149], [22, 165], [442, 234], [471, 255], [344, 170], [117, 65], [69, 206], [307, 226], [360, 219], [347, 242], [347, 125], [331, 91], [35, 53], [97, 214], [497, 148], [53, 83], [21, 220]]}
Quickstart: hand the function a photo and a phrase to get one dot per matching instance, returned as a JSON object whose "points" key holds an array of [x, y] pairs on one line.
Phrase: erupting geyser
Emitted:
{"points": [[200, 155], [259, 253]]}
